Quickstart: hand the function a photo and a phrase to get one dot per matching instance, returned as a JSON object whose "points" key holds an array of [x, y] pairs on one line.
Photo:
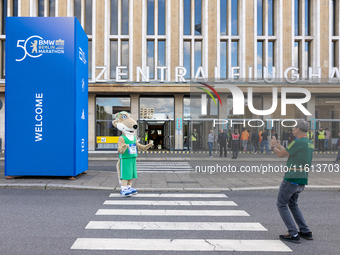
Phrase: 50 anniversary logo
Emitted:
{"points": [[35, 46]]}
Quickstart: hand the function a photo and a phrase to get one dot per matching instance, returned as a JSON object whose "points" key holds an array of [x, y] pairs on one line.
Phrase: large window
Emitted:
{"points": [[229, 37], [156, 37], [83, 11], [266, 38], [302, 15], [119, 37], [106, 108], [156, 108], [46, 8], [328, 108], [192, 36], [334, 34], [303, 36], [192, 109]]}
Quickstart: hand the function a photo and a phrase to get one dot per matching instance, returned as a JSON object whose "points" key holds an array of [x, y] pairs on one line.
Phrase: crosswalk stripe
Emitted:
{"points": [[179, 244], [174, 195], [205, 213], [201, 226], [148, 202]]}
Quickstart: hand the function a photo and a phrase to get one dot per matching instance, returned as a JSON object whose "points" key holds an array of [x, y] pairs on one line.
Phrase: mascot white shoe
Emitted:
{"points": [[128, 147]]}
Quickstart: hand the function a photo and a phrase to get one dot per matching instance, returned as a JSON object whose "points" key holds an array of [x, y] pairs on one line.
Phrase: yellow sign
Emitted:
{"points": [[107, 139]]}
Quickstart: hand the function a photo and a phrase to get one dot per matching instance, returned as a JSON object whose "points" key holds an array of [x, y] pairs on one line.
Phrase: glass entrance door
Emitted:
{"points": [[186, 135], [160, 132], [169, 135], [143, 132]]}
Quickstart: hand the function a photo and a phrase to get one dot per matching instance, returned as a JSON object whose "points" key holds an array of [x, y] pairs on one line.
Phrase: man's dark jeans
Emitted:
{"points": [[223, 146], [288, 197]]}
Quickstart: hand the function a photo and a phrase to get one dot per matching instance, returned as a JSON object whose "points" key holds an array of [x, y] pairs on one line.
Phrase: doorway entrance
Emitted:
{"points": [[160, 132]]}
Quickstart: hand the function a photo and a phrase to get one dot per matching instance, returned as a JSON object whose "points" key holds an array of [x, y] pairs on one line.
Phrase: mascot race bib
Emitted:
{"points": [[132, 149]]}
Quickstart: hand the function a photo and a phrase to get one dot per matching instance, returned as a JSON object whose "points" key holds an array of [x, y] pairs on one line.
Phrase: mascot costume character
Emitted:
{"points": [[128, 147]]}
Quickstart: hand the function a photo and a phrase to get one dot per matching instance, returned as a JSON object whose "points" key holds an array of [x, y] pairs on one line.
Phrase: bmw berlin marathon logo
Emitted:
{"points": [[35, 46]]}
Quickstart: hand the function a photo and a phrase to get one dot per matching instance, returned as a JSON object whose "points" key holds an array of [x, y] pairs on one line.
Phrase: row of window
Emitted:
{"points": [[192, 13], [193, 41]]}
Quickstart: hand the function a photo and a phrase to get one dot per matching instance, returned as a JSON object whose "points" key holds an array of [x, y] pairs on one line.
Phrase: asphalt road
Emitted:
{"points": [[51, 221]]}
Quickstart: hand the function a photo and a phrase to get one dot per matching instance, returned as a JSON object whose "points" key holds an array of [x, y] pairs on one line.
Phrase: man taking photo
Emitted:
{"points": [[300, 153]]}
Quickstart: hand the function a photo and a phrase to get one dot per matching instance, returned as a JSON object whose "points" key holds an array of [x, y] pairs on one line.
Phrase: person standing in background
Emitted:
{"points": [[249, 147], [244, 139], [285, 138], [275, 134], [254, 141], [264, 141], [222, 142], [211, 137], [337, 145], [321, 137], [310, 135], [235, 141], [327, 136], [229, 139], [194, 139]]}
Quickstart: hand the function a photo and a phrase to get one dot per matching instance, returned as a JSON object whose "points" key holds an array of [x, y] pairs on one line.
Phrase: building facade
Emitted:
{"points": [[144, 53]]}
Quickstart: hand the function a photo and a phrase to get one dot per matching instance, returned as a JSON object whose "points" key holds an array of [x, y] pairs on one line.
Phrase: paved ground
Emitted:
{"points": [[203, 173], [87, 222]]}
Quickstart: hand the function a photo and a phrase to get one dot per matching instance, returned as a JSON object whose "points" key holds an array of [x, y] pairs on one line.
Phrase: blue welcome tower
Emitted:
{"points": [[46, 97]]}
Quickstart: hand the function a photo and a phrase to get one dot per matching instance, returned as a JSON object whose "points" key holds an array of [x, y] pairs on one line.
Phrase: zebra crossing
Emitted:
{"points": [[156, 222], [164, 167]]}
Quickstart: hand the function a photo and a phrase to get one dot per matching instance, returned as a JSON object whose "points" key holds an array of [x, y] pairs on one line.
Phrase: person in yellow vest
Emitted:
{"points": [[194, 136], [321, 136], [146, 137], [310, 135]]}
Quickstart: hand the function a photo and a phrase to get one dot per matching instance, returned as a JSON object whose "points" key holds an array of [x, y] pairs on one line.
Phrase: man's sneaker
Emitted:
{"points": [[126, 193], [290, 238], [336, 162], [308, 236], [133, 191]]}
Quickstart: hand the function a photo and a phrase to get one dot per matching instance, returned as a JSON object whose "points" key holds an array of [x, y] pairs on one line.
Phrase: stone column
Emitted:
{"points": [[62, 8], [25, 8], [92, 122], [179, 114], [135, 106]]}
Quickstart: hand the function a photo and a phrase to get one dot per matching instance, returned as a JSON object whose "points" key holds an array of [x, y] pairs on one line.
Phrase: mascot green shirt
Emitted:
{"points": [[128, 166]]}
